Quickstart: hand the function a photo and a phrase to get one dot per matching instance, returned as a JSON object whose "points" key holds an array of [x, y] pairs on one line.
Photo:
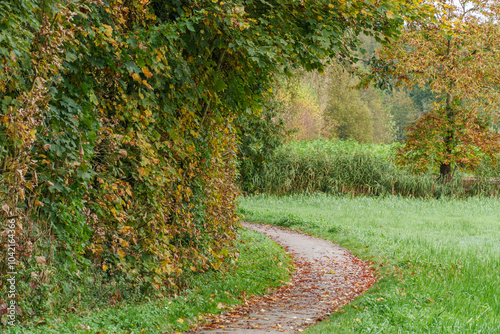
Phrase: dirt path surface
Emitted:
{"points": [[326, 277]]}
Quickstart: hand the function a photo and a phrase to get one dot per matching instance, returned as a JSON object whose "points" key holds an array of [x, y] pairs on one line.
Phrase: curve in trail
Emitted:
{"points": [[326, 277]]}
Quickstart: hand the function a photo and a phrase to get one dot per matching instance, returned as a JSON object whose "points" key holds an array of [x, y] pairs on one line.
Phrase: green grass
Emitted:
{"points": [[333, 147], [249, 275], [438, 260]]}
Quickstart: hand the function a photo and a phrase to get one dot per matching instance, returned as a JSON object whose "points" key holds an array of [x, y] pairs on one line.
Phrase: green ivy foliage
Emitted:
{"points": [[259, 137]]}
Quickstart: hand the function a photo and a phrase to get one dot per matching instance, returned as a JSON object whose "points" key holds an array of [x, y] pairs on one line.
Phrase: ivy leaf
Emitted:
{"points": [[219, 85], [189, 25]]}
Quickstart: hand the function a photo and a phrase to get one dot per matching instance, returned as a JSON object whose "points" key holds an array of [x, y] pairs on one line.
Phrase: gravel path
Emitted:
{"points": [[326, 277]]}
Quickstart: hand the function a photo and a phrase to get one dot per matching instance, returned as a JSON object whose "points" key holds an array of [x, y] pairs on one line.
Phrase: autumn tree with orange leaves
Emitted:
{"points": [[456, 52]]}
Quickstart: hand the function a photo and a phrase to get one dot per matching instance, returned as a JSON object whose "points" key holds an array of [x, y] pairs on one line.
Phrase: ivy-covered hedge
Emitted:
{"points": [[117, 138]]}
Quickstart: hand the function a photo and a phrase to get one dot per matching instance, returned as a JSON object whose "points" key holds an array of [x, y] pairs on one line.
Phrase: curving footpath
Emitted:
{"points": [[327, 276]]}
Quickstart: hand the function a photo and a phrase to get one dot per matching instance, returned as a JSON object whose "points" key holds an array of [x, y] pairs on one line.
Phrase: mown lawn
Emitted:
{"points": [[438, 260]]}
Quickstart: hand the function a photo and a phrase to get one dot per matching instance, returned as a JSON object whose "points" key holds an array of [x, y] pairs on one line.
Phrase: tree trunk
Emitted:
{"points": [[445, 171], [445, 168]]}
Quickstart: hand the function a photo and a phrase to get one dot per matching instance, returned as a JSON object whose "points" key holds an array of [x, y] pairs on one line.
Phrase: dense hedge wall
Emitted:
{"points": [[110, 153]]}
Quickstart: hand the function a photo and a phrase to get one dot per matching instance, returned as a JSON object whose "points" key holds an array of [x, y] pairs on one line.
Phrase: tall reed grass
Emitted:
{"points": [[357, 169]]}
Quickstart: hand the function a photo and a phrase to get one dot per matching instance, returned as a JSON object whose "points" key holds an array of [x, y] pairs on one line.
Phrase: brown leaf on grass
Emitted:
{"points": [[40, 260], [3, 308]]}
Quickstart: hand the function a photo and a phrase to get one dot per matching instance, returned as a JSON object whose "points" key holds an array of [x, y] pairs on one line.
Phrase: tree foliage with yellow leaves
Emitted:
{"points": [[455, 52]]}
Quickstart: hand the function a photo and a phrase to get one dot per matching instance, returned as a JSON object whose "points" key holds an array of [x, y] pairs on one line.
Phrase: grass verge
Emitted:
{"points": [[437, 260], [207, 293]]}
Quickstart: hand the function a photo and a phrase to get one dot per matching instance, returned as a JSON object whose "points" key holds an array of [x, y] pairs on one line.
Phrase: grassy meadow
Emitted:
{"points": [[438, 260]]}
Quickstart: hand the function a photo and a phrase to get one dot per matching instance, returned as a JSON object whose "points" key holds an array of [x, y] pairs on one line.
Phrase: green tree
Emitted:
{"points": [[403, 110], [422, 97], [346, 116], [382, 120], [355, 114]]}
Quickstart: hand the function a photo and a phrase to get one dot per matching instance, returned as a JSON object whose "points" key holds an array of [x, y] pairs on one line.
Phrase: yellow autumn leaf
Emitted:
{"points": [[127, 229], [104, 267], [146, 72], [166, 268], [108, 30], [136, 77], [124, 243], [120, 253], [180, 320]]}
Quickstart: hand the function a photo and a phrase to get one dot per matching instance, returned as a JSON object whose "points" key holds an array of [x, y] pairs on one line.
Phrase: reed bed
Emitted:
{"points": [[357, 169]]}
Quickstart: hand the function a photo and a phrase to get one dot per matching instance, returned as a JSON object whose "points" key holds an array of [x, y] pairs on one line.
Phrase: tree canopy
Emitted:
{"points": [[455, 53]]}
